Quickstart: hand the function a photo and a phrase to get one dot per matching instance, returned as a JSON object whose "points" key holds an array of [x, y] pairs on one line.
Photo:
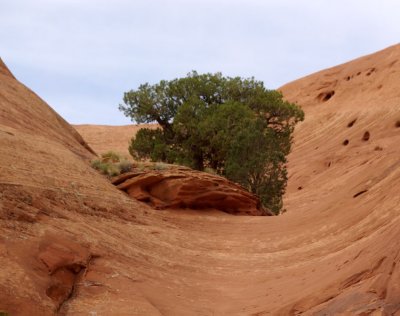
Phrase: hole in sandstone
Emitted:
{"points": [[325, 96], [345, 142], [397, 124], [348, 78], [57, 292], [358, 73], [366, 136], [9, 133], [300, 188], [370, 71], [359, 193], [351, 123], [380, 87], [75, 268], [378, 148]]}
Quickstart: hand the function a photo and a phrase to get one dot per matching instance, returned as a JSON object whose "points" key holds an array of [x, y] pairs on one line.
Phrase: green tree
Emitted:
{"points": [[256, 161], [233, 125]]}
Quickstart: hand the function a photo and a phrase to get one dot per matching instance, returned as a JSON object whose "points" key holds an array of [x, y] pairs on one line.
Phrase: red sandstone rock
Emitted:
{"points": [[185, 188], [4, 70]]}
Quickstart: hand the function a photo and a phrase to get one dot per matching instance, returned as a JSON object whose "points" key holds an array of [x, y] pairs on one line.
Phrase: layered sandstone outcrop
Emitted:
{"points": [[179, 188]]}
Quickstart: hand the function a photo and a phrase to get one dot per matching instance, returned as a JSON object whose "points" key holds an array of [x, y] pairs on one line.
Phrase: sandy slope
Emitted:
{"points": [[336, 250], [103, 138]]}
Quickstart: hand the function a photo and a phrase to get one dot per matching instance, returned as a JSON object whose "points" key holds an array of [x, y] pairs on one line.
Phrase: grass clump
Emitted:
{"points": [[125, 166], [210, 170], [160, 166], [112, 164], [111, 156]]}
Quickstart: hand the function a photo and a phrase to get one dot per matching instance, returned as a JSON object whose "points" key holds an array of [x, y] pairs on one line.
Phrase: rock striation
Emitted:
{"points": [[183, 188]]}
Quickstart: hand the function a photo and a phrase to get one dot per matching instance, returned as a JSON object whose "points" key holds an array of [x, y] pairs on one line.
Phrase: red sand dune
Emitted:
{"points": [[71, 243]]}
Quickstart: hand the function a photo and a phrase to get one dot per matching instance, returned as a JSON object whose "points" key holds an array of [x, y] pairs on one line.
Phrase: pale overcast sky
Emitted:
{"points": [[81, 55]]}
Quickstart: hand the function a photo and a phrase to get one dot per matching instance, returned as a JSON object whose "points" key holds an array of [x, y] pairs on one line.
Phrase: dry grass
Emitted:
{"points": [[112, 164]]}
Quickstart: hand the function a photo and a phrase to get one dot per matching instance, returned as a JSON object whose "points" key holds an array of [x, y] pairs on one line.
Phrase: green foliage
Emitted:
{"points": [[111, 156], [233, 126], [101, 166], [111, 164], [256, 161], [209, 170], [160, 166], [125, 166], [149, 144], [146, 166]]}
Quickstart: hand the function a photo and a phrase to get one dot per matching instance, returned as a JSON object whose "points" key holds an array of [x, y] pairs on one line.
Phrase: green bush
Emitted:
{"points": [[125, 166], [111, 156], [99, 165], [209, 170], [160, 166]]}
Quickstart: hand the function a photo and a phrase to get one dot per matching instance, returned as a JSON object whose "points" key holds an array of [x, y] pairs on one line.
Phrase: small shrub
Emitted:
{"points": [[96, 164], [160, 166], [210, 170], [100, 165], [113, 170], [111, 156], [104, 168], [111, 164], [125, 166]]}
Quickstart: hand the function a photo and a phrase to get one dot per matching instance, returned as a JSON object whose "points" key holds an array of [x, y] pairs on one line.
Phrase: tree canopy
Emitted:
{"points": [[234, 126]]}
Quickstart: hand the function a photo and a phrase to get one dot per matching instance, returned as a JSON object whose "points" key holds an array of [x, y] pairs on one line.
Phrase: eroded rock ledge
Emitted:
{"points": [[180, 188]]}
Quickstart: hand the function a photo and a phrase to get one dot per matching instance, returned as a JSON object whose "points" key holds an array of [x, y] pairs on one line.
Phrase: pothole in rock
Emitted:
{"points": [[366, 136], [351, 123], [325, 96], [372, 70], [359, 193]]}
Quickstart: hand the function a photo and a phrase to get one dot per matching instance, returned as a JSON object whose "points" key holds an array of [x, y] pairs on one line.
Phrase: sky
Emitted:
{"points": [[80, 56]]}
